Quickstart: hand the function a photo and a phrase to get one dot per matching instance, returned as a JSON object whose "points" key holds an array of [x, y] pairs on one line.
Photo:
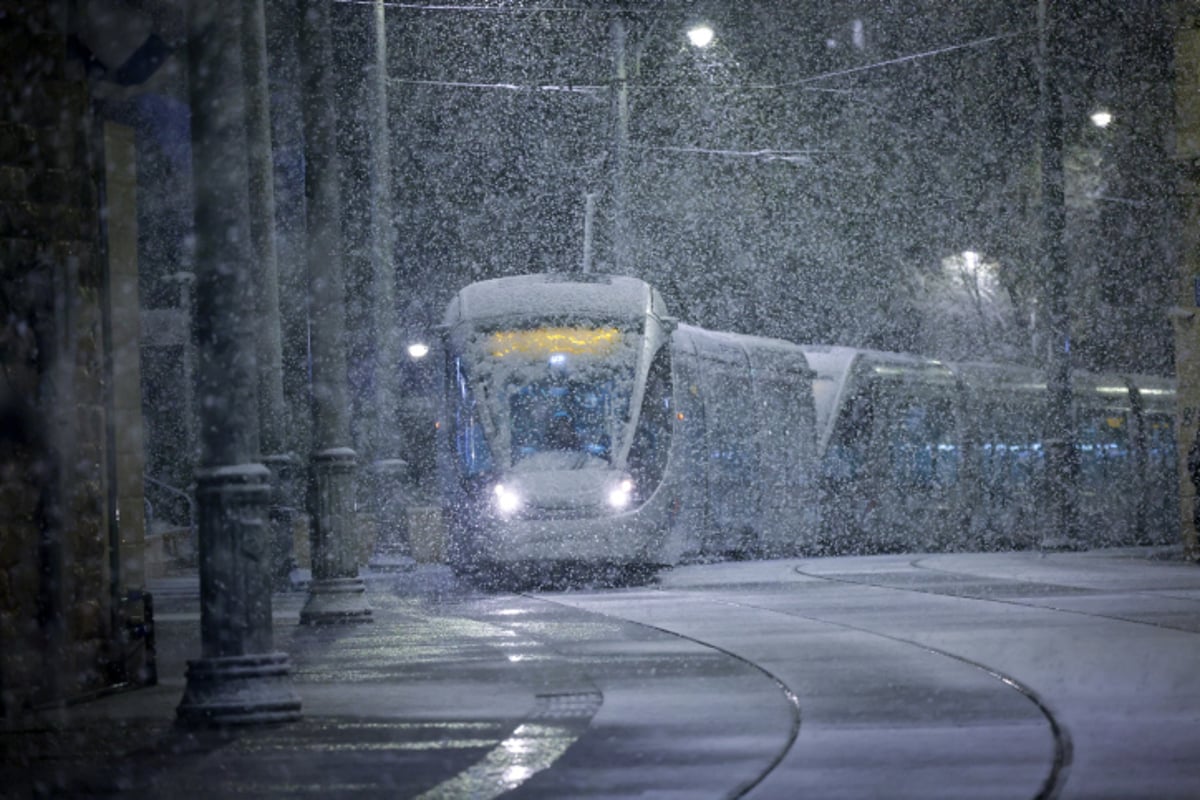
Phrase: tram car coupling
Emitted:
{"points": [[580, 424]]}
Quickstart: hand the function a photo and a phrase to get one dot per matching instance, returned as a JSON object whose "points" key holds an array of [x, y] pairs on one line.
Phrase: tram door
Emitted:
{"points": [[1105, 461], [1161, 495], [910, 497], [687, 476], [1008, 464], [731, 448], [785, 423]]}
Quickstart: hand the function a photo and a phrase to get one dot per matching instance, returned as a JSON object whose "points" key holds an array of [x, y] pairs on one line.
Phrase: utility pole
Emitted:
{"points": [[1186, 313], [1059, 434], [589, 216], [238, 679], [337, 594], [622, 246]]}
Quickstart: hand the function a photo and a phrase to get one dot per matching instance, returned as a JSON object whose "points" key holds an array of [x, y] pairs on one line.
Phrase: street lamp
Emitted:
{"points": [[1101, 118], [700, 35], [970, 261]]}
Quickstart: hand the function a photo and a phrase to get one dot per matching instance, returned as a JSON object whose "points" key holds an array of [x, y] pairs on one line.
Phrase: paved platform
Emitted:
{"points": [[760, 679]]}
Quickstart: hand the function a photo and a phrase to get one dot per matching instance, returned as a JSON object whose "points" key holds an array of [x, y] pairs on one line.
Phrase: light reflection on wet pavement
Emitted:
{"points": [[391, 709], [531, 748]]}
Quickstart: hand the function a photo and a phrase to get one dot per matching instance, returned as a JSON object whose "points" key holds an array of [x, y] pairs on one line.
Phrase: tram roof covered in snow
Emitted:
{"points": [[744, 343], [565, 294]]}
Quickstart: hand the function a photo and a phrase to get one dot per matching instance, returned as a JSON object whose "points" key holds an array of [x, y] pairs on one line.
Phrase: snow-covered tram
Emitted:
{"points": [[581, 424]]}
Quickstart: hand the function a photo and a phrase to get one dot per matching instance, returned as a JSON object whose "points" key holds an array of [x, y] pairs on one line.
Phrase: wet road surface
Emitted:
{"points": [[1001, 675]]}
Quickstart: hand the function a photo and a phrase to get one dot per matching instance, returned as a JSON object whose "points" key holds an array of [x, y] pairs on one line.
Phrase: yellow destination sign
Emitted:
{"points": [[548, 341]]}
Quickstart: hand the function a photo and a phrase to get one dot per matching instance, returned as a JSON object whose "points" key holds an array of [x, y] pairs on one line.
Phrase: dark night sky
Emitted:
{"points": [[804, 176]]}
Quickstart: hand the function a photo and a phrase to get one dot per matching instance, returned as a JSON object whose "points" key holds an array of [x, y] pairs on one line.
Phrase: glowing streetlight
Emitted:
{"points": [[700, 35], [1101, 118], [418, 350]]}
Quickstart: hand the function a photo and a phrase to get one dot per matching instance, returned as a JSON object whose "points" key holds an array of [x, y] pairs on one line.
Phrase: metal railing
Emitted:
{"points": [[173, 491]]}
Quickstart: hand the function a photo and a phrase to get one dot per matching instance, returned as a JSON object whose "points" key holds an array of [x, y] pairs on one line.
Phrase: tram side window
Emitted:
{"points": [[474, 455], [849, 447], [1161, 465], [1009, 450], [1103, 444], [923, 450], [1160, 446], [652, 437]]}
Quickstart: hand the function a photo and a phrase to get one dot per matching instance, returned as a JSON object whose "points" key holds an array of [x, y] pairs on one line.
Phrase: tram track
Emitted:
{"points": [[789, 694], [1046, 781], [1054, 781], [916, 564], [1063, 746]]}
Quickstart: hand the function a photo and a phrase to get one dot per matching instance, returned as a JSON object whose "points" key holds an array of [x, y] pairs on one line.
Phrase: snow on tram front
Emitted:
{"points": [[556, 420]]}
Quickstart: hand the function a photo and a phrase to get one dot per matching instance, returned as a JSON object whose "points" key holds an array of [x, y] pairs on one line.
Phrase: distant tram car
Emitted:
{"points": [[924, 455], [581, 424]]}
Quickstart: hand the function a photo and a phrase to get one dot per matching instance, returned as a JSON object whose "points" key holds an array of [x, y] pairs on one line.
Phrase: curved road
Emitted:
{"points": [[1002, 675]]}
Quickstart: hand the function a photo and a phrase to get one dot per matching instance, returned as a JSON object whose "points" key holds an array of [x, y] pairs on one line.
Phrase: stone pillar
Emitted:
{"points": [[272, 409], [389, 471], [287, 145], [287, 471], [336, 593], [239, 677]]}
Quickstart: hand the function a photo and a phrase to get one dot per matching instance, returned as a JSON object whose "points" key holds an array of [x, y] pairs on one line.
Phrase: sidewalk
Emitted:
{"points": [[418, 701]]}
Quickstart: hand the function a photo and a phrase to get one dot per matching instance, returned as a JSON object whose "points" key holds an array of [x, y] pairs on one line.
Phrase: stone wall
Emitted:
{"points": [[55, 609]]}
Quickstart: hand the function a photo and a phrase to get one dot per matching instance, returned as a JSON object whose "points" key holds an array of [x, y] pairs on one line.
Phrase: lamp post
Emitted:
{"points": [[1059, 431], [700, 35], [622, 247], [1185, 316]]}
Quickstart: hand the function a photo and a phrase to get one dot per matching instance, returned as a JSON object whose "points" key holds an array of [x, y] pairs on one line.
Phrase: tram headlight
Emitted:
{"points": [[507, 501], [621, 495]]}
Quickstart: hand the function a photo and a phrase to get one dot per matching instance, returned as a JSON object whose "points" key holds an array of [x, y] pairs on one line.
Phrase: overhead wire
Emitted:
{"points": [[801, 83]]}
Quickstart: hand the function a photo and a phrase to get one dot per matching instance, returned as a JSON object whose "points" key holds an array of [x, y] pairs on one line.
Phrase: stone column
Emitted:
{"points": [[272, 409], [287, 145], [389, 471], [336, 593], [239, 677]]}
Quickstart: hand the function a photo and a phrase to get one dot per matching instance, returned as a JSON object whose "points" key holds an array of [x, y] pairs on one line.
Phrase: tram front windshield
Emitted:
{"points": [[558, 395]]}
